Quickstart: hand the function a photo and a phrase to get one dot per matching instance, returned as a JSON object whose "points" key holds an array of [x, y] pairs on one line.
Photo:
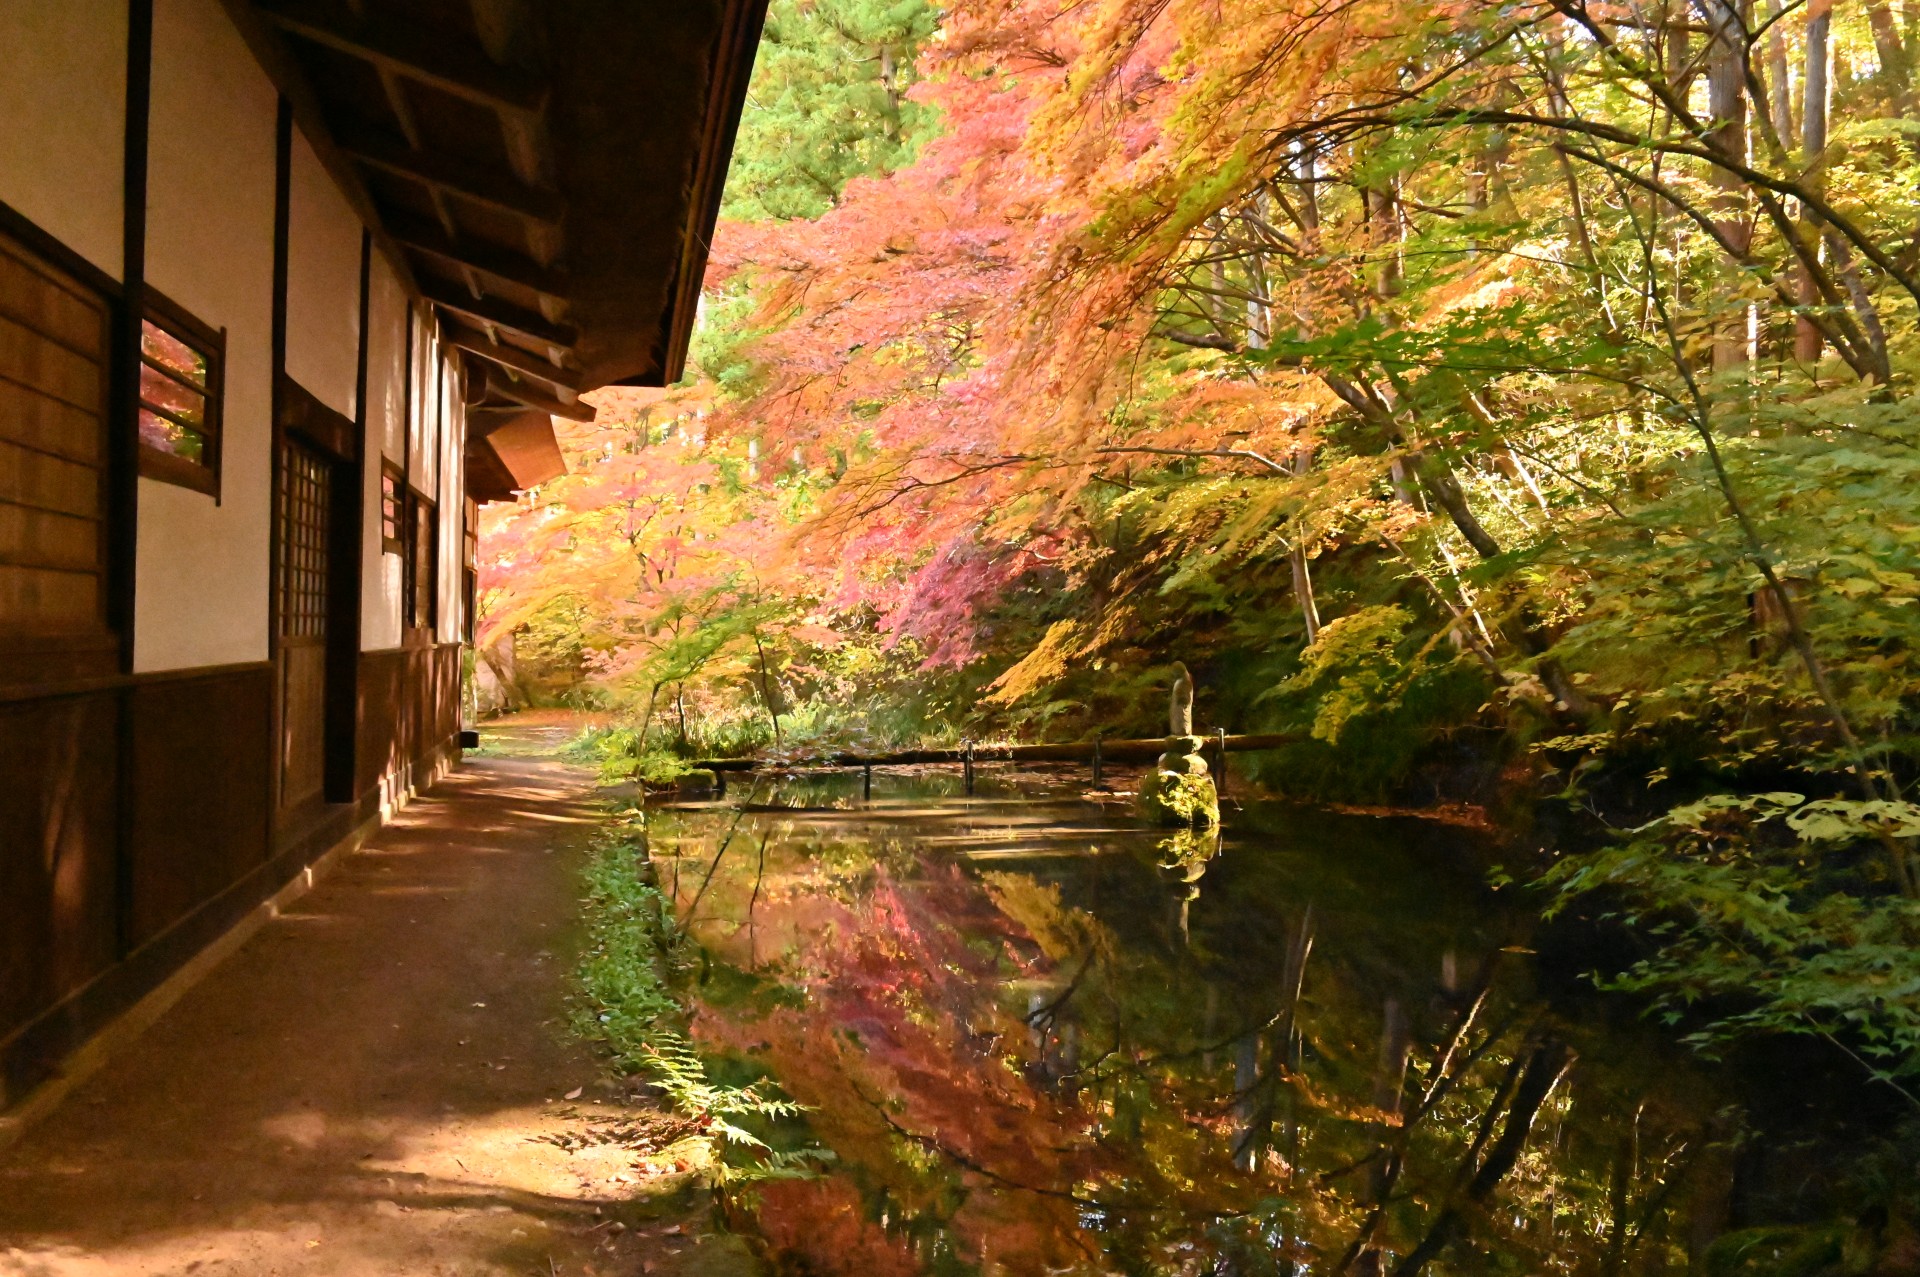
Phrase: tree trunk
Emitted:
{"points": [[1307, 171], [1217, 305], [1436, 477], [1548, 1064], [889, 82], [766, 689], [1896, 62], [1895, 68], [1817, 82], [1780, 82], [646, 721], [1383, 239], [1626, 1159], [1259, 313], [1818, 79], [1727, 109], [1302, 461], [1389, 1085], [1303, 591]]}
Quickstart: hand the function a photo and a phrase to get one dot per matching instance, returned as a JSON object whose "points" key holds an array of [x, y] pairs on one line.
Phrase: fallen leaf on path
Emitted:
{"points": [[575, 1093]]}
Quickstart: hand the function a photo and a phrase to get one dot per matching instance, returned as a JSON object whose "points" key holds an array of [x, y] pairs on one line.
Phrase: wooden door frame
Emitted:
{"points": [[334, 438], [299, 413], [296, 457]]}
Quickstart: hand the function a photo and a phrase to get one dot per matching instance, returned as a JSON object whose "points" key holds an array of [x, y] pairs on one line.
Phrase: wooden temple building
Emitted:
{"points": [[287, 288]]}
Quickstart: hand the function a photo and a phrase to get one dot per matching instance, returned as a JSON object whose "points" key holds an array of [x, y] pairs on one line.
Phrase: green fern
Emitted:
{"points": [[624, 1002]]}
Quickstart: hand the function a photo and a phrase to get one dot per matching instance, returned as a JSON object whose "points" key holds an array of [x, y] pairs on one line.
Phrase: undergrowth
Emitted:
{"points": [[616, 754], [626, 1002]]}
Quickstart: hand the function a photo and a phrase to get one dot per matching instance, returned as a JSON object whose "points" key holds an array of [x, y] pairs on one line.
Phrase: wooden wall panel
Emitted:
{"points": [[409, 705], [202, 751], [86, 932], [382, 677], [54, 338], [58, 910], [441, 714]]}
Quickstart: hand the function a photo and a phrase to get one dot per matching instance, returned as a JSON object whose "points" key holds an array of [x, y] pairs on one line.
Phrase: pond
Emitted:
{"points": [[1037, 1037]]}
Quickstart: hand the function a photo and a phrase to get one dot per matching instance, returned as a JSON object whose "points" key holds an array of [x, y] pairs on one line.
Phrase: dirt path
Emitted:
{"points": [[373, 1084]]}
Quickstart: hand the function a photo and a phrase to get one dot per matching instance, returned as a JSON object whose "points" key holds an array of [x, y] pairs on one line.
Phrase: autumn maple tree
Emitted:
{"points": [[1477, 391]]}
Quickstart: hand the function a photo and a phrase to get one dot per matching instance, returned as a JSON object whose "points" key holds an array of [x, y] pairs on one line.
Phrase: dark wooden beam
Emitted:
{"points": [[476, 342], [491, 310], [501, 263], [457, 177], [520, 392], [395, 47]]}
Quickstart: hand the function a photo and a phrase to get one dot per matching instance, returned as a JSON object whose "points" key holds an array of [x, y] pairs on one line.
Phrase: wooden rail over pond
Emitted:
{"points": [[1094, 752]]}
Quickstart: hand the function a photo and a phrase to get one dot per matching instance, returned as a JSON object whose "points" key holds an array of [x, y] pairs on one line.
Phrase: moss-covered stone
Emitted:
{"points": [[1183, 756], [1179, 790], [1187, 852]]}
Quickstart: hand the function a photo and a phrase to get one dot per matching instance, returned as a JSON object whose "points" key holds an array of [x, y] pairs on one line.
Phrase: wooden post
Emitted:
{"points": [[967, 762], [1220, 744], [866, 783], [1099, 780], [720, 784]]}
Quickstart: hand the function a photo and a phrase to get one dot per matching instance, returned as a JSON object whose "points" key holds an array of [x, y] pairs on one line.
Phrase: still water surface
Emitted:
{"points": [[1038, 1037]]}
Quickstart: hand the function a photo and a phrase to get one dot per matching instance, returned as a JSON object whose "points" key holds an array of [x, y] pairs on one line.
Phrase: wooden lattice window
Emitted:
{"points": [[423, 577], [54, 341], [181, 367], [305, 495], [393, 509]]}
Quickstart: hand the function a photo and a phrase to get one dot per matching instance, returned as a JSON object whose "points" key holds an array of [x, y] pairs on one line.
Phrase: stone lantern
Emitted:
{"points": [[1179, 790]]}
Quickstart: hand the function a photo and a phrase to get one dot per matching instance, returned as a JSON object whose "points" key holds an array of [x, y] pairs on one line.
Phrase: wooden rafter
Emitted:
{"points": [[503, 264], [542, 233], [491, 310], [457, 177], [448, 66], [521, 393], [478, 343]]}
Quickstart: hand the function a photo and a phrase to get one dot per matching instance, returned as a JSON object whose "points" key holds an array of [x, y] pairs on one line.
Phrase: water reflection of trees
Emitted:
{"points": [[1017, 1083]]}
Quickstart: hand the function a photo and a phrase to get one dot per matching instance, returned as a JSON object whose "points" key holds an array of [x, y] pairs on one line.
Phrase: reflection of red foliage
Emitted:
{"points": [[909, 1060], [820, 1226]]}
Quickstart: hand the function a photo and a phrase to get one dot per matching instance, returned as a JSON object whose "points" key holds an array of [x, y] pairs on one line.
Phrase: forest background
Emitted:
{"points": [[1513, 400]]}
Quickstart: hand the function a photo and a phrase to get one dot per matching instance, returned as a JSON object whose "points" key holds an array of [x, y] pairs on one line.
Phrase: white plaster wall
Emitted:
{"points": [[427, 442], [323, 284], [438, 422], [202, 568], [451, 492], [428, 420], [401, 318], [63, 112], [381, 575]]}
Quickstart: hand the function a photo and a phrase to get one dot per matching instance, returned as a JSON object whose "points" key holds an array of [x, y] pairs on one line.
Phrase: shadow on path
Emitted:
{"points": [[373, 1084]]}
